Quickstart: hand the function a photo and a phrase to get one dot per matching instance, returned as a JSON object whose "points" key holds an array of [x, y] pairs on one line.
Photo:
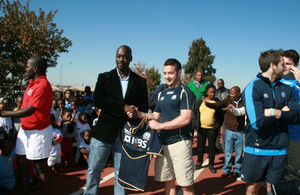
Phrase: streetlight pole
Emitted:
{"points": [[61, 67]]}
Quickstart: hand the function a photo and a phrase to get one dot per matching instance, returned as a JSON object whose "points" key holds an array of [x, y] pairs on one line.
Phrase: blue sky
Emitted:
{"points": [[235, 31]]}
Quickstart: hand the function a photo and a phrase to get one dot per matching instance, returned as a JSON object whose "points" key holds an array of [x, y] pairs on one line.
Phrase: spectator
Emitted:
{"points": [[234, 126], [61, 106], [88, 93], [58, 95], [69, 131], [198, 85], [54, 109], [221, 93], [74, 110], [6, 123], [54, 156], [207, 121], [7, 169], [68, 97], [84, 146], [82, 125], [16, 121], [80, 104], [296, 73], [95, 121], [291, 59]]}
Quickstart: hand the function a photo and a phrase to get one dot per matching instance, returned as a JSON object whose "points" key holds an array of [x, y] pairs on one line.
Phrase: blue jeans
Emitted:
{"points": [[236, 138], [99, 153]]}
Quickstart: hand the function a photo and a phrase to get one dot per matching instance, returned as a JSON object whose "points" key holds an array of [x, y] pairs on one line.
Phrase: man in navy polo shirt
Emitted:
{"points": [[172, 116], [35, 135]]}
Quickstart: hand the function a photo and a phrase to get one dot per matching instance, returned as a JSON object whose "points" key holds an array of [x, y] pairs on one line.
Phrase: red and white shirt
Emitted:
{"points": [[38, 95]]}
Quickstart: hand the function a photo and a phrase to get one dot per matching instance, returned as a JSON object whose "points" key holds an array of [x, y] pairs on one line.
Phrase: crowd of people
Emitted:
{"points": [[42, 132], [259, 126]]}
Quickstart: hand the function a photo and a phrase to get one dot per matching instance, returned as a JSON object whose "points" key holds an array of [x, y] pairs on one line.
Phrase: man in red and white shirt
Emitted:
{"points": [[35, 135]]}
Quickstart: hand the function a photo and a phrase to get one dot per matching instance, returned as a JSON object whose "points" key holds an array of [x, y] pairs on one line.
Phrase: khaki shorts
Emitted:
{"points": [[177, 163], [35, 144]]}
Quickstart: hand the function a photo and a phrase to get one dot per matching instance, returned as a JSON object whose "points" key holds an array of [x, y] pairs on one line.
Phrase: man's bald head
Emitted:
{"points": [[198, 76]]}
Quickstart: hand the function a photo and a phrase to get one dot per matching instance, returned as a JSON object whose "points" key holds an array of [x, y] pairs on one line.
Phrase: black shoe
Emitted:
{"points": [[236, 175], [198, 166], [225, 174], [212, 169]]}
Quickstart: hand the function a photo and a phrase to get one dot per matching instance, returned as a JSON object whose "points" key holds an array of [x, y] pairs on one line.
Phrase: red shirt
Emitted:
{"points": [[38, 95]]}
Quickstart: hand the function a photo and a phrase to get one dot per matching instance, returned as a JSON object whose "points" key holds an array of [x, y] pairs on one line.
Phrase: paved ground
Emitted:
{"points": [[72, 181]]}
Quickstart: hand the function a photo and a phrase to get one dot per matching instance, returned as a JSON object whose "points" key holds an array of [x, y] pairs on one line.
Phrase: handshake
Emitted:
{"points": [[131, 111]]}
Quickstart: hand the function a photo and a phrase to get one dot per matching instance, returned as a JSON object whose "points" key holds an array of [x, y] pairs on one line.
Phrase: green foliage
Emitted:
{"points": [[200, 58], [150, 74], [24, 33], [153, 76]]}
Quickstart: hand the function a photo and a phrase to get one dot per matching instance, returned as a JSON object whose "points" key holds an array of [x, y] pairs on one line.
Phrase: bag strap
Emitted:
{"points": [[139, 126]]}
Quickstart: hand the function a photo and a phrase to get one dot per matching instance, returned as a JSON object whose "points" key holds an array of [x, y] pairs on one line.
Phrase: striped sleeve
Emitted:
{"points": [[186, 99], [249, 104]]}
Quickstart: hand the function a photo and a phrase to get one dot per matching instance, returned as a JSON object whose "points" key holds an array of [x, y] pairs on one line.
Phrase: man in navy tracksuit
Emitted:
{"points": [[266, 136], [291, 59]]}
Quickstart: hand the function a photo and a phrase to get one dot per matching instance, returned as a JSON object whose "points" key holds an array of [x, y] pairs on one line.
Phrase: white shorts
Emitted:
{"points": [[177, 163], [35, 144], [52, 160]]}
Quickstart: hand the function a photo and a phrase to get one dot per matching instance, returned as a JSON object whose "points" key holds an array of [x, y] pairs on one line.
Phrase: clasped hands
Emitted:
{"points": [[133, 113]]}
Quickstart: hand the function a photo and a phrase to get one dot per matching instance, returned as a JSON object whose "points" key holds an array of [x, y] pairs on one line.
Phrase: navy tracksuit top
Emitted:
{"points": [[267, 132]]}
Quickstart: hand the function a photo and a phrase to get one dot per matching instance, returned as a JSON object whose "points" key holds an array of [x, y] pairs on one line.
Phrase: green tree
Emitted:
{"points": [[150, 74], [200, 58], [153, 76], [24, 33]]}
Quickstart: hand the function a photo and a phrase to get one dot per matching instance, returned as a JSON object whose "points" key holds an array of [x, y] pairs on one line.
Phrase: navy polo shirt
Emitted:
{"points": [[170, 102]]}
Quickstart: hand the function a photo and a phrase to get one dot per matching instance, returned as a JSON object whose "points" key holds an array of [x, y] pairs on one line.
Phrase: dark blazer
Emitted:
{"points": [[108, 97]]}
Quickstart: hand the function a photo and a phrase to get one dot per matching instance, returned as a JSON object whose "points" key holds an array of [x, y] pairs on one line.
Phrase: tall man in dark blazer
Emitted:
{"points": [[115, 92]]}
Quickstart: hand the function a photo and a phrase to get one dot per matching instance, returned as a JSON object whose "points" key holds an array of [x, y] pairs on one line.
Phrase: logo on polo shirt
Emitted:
{"points": [[266, 95], [146, 136], [174, 97], [283, 94], [29, 93]]}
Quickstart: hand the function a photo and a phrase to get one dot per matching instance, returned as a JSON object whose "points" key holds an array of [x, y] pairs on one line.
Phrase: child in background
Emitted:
{"points": [[61, 106], [7, 168], [6, 124], [82, 125], [68, 97], [69, 131], [54, 156], [80, 104], [90, 110], [54, 109], [95, 121], [16, 121], [85, 146], [74, 110]]}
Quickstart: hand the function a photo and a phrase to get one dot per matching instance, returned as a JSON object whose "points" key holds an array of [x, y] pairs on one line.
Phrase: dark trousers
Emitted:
{"points": [[210, 134]]}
